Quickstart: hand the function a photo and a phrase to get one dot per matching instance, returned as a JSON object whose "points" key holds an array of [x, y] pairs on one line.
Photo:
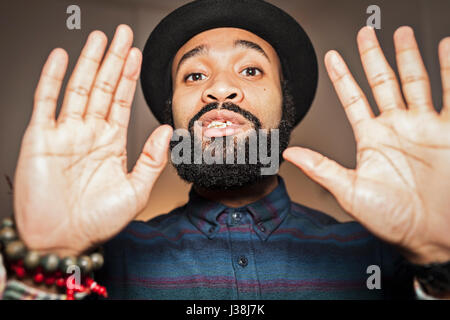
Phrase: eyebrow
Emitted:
{"points": [[199, 50], [250, 45], [203, 49]]}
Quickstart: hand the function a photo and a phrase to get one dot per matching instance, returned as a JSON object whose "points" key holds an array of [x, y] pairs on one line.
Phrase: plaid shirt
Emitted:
{"points": [[270, 249]]}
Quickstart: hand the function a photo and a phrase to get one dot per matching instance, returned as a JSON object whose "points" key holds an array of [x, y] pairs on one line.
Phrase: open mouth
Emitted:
{"points": [[219, 123]]}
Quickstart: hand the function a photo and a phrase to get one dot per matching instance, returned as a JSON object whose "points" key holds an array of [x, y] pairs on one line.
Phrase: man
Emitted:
{"points": [[239, 236]]}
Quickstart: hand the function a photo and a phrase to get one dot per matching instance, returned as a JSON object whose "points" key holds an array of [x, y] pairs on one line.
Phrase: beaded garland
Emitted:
{"points": [[49, 269]]}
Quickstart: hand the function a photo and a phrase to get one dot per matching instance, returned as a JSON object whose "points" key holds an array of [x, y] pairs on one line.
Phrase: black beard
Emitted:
{"points": [[233, 176]]}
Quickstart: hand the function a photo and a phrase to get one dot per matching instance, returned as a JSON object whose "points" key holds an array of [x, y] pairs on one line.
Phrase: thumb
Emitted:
{"points": [[328, 173], [152, 160]]}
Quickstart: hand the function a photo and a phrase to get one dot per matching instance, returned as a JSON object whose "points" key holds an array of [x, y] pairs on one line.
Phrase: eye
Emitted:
{"points": [[251, 72], [195, 77]]}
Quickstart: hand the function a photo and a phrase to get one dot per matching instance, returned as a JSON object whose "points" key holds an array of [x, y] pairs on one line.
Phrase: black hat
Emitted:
{"points": [[294, 48]]}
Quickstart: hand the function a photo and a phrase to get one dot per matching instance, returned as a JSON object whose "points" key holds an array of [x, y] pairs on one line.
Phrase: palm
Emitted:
{"points": [[83, 173], [72, 187], [398, 189], [402, 162]]}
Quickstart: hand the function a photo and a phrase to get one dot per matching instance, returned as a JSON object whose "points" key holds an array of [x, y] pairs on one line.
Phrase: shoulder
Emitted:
{"points": [[161, 226], [397, 277], [322, 220], [163, 221], [318, 225], [316, 216]]}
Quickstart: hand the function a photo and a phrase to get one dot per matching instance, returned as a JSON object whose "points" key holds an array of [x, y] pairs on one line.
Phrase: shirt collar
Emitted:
{"points": [[267, 213]]}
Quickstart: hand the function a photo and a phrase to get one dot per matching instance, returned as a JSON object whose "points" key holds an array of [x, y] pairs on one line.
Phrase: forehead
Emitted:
{"points": [[224, 39]]}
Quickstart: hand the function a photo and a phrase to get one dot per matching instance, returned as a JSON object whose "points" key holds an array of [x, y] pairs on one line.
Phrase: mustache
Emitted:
{"points": [[227, 106]]}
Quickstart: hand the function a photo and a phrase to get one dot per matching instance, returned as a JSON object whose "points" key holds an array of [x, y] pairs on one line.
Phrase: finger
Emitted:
{"points": [[123, 97], [152, 160], [444, 59], [328, 173], [350, 94], [413, 76], [80, 83], [109, 73], [380, 75], [47, 91]]}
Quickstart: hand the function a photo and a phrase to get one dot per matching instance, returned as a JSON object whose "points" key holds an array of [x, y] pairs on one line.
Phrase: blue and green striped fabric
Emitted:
{"points": [[270, 249]]}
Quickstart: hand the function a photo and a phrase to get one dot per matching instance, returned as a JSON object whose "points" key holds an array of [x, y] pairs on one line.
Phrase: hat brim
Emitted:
{"points": [[283, 32]]}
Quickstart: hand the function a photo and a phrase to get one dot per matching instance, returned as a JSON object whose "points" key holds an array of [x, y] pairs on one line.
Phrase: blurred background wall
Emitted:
{"points": [[30, 29]]}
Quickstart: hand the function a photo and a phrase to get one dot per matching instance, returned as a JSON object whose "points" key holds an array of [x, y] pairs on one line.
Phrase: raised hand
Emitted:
{"points": [[400, 189], [72, 189]]}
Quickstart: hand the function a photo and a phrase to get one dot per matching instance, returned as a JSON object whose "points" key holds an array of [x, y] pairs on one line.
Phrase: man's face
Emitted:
{"points": [[227, 84], [227, 65]]}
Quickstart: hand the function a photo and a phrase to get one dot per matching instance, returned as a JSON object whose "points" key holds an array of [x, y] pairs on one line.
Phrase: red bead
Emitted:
{"points": [[20, 272], [80, 288], [70, 297], [70, 282], [38, 277], [49, 281], [70, 292], [60, 282], [89, 281]]}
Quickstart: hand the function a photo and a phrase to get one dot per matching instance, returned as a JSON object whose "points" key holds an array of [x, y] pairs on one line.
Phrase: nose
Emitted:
{"points": [[222, 90]]}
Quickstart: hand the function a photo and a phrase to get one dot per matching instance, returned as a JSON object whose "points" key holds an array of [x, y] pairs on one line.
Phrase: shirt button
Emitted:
{"points": [[236, 217], [261, 227], [243, 262]]}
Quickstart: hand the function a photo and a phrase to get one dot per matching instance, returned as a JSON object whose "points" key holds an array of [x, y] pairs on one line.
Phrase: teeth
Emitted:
{"points": [[219, 124]]}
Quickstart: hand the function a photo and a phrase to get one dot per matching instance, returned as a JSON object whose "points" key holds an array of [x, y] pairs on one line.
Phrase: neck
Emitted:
{"points": [[243, 196]]}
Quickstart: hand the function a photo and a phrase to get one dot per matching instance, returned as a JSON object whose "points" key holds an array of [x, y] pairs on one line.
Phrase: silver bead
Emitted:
{"points": [[50, 262], [97, 261], [8, 222], [66, 263], [7, 234], [31, 260], [15, 250], [85, 264]]}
